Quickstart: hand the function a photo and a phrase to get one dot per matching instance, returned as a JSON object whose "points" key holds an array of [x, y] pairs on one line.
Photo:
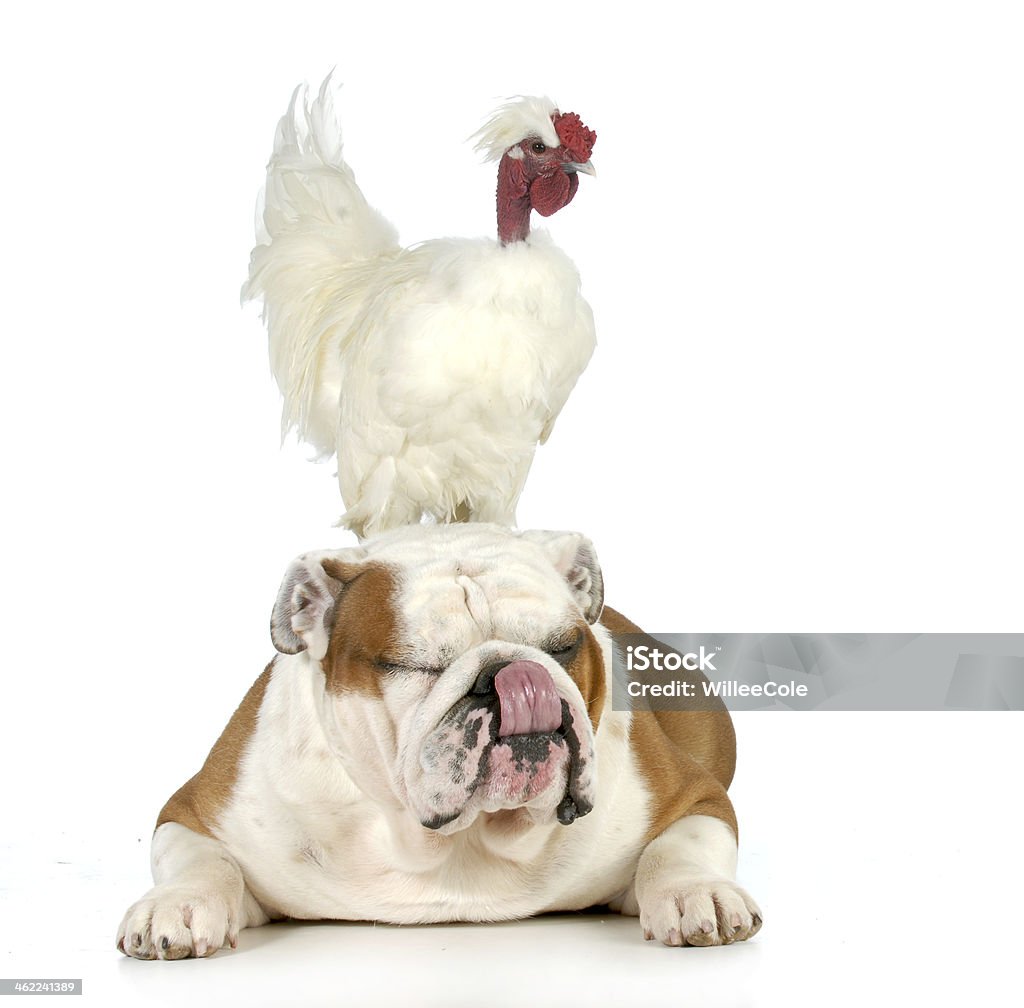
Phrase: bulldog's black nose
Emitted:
{"points": [[485, 680]]}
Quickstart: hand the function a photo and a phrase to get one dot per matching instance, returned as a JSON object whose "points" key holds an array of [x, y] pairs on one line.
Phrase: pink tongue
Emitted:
{"points": [[529, 702]]}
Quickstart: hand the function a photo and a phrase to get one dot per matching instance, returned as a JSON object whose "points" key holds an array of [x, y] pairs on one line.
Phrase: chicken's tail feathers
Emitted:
{"points": [[312, 222], [310, 188]]}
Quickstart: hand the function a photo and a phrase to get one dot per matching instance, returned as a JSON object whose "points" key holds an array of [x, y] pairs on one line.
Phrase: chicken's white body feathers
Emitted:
{"points": [[431, 372]]}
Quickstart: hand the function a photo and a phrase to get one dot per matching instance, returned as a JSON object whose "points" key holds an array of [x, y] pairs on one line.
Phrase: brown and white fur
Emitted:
{"points": [[354, 783]]}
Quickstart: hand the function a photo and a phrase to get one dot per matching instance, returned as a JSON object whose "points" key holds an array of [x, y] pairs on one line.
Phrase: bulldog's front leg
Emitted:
{"points": [[199, 902], [684, 888]]}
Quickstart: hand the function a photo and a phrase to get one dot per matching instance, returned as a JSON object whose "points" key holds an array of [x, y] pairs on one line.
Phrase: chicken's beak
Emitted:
{"points": [[575, 166]]}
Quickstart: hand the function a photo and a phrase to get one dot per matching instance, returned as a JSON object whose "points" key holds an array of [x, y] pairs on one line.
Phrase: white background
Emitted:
{"points": [[804, 254]]}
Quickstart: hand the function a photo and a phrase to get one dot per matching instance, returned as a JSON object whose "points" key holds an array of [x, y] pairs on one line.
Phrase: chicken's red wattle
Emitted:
{"points": [[549, 193]]}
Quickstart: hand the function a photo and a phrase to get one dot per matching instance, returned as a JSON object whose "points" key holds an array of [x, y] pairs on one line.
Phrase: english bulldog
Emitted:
{"points": [[435, 741]]}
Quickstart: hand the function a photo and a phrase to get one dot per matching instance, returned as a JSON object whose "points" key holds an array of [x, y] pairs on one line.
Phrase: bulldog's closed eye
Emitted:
{"points": [[564, 650], [391, 667]]}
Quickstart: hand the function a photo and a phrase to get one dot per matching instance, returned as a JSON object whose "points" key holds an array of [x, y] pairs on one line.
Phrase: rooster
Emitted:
{"points": [[430, 372]]}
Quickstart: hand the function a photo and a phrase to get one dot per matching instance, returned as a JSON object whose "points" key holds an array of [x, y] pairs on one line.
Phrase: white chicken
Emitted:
{"points": [[431, 372]]}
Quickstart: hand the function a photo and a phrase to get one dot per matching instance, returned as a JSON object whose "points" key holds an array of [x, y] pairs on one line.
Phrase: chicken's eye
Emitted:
{"points": [[538, 148]]}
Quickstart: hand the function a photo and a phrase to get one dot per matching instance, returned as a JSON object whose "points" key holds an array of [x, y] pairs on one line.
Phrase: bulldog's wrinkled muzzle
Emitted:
{"points": [[509, 741]]}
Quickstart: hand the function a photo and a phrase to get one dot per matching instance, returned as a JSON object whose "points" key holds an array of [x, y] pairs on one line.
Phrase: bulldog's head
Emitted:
{"points": [[460, 673]]}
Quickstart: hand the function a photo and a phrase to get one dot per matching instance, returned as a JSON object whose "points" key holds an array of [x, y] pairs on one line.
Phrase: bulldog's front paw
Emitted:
{"points": [[177, 922], [699, 911]]}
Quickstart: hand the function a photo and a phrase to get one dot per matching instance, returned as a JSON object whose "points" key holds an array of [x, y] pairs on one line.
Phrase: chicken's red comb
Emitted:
{"points": [[576, 138]]}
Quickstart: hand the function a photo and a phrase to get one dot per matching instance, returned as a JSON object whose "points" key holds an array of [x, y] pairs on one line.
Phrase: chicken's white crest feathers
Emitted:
{"points": [[519, 118]]}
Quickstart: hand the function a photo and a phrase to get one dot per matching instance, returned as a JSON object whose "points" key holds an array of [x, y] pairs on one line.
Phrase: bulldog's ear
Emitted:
{"points": [[574, 557], [303, 614]]}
